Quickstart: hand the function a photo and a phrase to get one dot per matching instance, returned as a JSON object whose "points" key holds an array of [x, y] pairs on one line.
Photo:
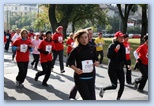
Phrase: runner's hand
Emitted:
{"points": [[118, 47], [78, 71]]}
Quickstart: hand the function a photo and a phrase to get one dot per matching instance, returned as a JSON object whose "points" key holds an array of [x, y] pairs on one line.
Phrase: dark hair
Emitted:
{"points": [[48, 32], [145, 38], [125, 36]]}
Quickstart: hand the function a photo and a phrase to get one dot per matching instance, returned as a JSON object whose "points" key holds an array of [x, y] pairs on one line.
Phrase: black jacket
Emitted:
{"points": [[116, 59], [81, 53]]}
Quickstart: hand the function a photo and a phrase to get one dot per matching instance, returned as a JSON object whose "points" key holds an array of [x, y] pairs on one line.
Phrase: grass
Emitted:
{"points": [[134, 43]]}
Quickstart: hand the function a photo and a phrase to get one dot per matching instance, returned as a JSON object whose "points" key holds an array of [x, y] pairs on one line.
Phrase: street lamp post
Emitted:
{"points": [[7, 18]]}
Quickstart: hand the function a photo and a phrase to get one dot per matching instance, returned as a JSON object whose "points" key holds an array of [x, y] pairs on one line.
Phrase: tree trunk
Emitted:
{"points": [[144, 23], [52, 17]]}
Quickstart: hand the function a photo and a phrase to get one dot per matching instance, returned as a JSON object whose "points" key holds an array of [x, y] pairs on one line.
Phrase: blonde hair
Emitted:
{"points": [[22, 30], [77, 35]]}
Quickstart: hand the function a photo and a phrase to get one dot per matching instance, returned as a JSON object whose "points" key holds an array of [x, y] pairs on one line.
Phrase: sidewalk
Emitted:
{"points": [[59, 84]]}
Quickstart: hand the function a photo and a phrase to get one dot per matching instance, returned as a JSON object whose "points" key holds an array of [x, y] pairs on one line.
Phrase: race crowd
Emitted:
{"points": [[84, 54]]}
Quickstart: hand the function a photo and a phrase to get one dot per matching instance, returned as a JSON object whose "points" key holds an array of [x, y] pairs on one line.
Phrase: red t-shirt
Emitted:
{"points": [[70, 43], [58, 37], [143, 53], [5, 39], [22, 55], [127, 48], [46, 46]]}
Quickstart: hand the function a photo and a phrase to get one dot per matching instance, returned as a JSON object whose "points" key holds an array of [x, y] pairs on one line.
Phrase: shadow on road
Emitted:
{"points": [[32, 95], [50, 89]]}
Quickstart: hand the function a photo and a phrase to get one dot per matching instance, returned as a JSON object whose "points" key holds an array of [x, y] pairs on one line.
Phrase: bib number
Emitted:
{"points": [[23, 48], [60, 39], [87, 66], [48, 48], [127, 50]]}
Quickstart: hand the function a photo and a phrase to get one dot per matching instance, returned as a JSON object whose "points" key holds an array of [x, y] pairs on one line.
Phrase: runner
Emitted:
{"points": [[45, 48], [141, 55], [70, 43], [82, 60], [36, 54], [13, 39], [59, 48], [22, 46], [128, 60], [99, 41], [116, 55]]}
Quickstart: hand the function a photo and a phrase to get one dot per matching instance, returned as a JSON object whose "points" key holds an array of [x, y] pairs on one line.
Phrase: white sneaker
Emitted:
{"points": [[72, 99], [101, 93]]}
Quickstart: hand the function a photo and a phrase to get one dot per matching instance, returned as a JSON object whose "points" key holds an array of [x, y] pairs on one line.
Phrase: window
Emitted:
{"points": [[16, 8]]}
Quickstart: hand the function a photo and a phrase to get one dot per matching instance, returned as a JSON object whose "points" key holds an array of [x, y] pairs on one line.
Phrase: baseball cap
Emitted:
{"points": [[118, 34], [59, 27]]}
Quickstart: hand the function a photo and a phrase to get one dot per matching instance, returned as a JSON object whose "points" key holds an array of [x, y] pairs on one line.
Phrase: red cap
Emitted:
{"points": [[59, 28], [118, 34]]}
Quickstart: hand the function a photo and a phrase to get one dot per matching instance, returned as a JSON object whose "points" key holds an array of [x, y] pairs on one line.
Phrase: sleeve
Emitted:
{"points": [[67, 42], [71, 58], [111, 52], [136, 55], [13, 38], [53, 47], [15, 45], [54, 38]]}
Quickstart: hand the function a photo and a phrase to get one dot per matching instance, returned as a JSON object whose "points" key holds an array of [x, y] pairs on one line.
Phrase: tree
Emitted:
{"points": [[144, 28], [87, 12], [65, 13], [124, 15], [74, 13]]}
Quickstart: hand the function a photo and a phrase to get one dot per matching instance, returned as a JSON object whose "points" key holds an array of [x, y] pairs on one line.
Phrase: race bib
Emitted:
{"points": [[100, 45], [23, 48], [127, 50], [48, 48], [87, 66], [7, 37], [60, 39]]}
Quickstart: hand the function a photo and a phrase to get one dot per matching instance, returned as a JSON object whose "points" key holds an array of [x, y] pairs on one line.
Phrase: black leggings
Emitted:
{"points": [[86, 88], [22, 66], [101, 56], [36, 60], [128, 72], [46, 66], [114, 76], [143, 79]]}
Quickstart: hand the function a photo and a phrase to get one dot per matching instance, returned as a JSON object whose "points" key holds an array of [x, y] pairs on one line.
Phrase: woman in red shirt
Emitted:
{"points": [[22, 47], [59, 48], [128, 59], [141, 55], [70, 43], [45, 48]]}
